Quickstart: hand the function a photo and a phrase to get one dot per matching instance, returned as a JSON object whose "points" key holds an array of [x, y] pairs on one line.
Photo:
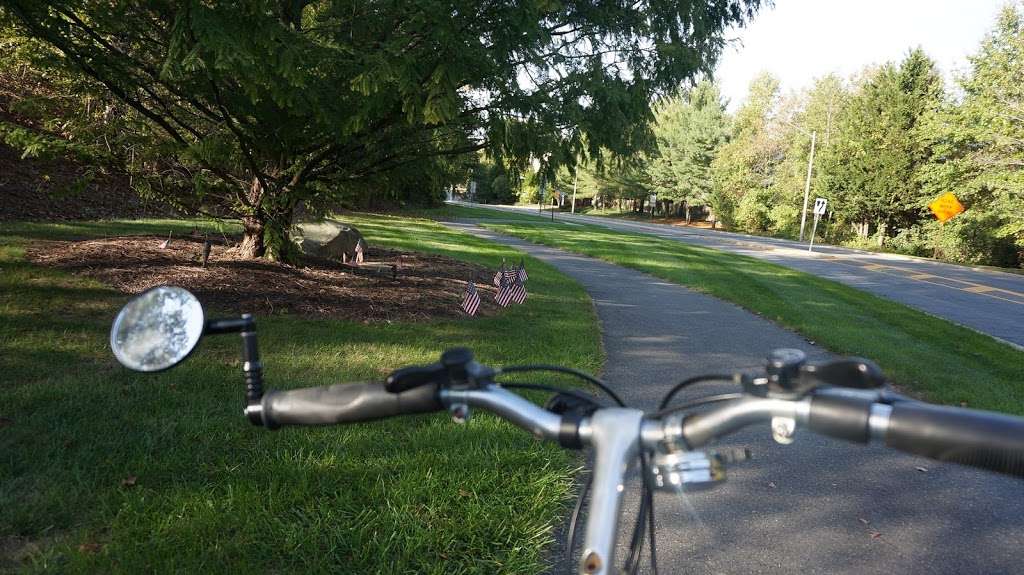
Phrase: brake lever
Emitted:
{"points": [[406, 378], [789, 375], [572, 404], [850, 372], [457, 368]]}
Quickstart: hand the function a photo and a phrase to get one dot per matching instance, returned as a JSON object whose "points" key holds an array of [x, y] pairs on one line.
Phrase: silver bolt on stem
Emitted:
{"points": [[459, 412], [783, 429]]}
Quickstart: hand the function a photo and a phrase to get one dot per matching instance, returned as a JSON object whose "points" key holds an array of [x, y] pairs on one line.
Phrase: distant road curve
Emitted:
{"points": [[985, 300]]}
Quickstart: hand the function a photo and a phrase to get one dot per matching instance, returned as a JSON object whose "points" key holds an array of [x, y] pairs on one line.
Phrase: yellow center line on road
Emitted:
{"points": [[938, 280]]}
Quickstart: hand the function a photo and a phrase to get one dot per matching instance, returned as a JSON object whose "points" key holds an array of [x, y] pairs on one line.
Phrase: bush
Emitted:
{"points": [[972, 238], [754, 212], [911, 241], [785, 220]]}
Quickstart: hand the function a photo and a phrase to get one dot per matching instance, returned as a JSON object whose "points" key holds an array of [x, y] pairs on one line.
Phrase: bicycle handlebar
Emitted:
{"points": [[970, 437], [344, 403]]}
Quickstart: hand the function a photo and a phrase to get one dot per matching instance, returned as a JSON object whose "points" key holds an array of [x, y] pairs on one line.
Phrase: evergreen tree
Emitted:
{"points": [[977, 150], [689, 128], [869, 174]]}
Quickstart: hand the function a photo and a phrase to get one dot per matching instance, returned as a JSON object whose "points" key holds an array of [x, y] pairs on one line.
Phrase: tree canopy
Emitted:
{"points": [[266, 107]]}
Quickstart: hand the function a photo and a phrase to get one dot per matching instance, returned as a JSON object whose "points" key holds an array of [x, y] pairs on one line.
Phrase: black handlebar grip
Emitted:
{"points": [[841, 417], [983, 439], [344, 403]]}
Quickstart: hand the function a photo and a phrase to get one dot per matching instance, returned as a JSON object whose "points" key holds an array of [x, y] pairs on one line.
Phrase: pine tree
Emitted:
{"points": [[689, 128]]}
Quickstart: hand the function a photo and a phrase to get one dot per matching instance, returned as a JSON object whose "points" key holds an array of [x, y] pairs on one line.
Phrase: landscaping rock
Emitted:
{"points": [[329, 239]]}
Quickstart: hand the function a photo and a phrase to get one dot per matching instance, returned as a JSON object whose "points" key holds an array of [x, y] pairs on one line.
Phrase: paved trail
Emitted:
{"points": [[817, 506], [989, 301]]}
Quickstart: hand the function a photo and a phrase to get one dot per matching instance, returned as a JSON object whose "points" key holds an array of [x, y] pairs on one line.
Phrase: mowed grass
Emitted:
{"points": [[105, 470], [932, 357]]}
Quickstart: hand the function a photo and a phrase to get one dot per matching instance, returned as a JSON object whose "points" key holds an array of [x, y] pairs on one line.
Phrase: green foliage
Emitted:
{"points": [[869, 171], [494, 185], [689, 128], [747, 163], [753, 214], [978, 150], [887, 143], [266, 107]]}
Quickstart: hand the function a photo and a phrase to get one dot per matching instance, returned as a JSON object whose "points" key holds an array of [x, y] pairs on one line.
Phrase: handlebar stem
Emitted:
{"points": [[614, 433]]}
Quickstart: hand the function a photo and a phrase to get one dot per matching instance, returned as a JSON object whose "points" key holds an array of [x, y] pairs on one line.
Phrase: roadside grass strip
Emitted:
{"points": [[106, 470], [929, 356]]}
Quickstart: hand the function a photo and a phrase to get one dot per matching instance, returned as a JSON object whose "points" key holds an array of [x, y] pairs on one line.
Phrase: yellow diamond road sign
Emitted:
{"points": [[946, 206]]}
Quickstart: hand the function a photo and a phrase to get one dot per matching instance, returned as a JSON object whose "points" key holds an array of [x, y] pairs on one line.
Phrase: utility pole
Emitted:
{"points": [[807, 185], [575, 179]]}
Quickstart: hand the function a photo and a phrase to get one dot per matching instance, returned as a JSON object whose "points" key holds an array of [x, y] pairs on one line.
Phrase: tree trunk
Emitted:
{"points": [[252, 245], [267, 231], [686, 210]]}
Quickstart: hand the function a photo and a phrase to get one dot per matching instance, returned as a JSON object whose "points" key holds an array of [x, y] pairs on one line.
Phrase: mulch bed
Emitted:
{"points": [[426, 286]]}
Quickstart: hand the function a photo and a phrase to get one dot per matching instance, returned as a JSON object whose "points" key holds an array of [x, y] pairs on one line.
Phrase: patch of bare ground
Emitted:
{"points": [[390, 285]]}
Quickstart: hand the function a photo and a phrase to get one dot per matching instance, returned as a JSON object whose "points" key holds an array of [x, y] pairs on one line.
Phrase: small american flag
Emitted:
{"points": [[358, 253], [504, 295], [521, 272], [470, 299], [499, 274], [518, 289]]}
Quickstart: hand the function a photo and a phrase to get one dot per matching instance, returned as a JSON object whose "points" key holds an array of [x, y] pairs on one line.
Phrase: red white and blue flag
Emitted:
{"points": [[518, 289], [470, 299], [504, 295], [521, 272]]}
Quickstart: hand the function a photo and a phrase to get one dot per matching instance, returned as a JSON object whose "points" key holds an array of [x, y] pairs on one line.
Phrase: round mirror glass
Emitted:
{"points": [[157, 329]]}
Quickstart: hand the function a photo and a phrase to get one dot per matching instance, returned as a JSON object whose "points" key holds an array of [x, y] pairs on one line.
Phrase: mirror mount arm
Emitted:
{"points": [[234, 325], [252, 368]]}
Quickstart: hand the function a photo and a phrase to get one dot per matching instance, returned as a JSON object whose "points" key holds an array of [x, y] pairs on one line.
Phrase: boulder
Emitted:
{"points": [[329, 239]]}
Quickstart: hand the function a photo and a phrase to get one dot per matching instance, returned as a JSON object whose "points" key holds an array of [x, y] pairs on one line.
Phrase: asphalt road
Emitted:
{"points": [[988, 301], [816, 506]]}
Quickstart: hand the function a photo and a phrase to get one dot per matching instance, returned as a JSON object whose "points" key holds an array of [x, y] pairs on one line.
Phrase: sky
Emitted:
{"points": [[799, 40]]}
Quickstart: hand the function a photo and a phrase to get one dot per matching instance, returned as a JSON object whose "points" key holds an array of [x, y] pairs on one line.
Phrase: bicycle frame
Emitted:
{"points": [[616, 449]]}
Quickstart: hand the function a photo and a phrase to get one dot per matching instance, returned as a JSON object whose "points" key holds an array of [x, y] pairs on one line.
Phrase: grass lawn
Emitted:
{"points": [[106, 470], [932, 357]]}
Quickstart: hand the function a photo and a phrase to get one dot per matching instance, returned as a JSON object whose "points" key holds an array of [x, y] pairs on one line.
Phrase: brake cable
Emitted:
{"points": [[688, 382], [568, 370], [550, 388], [698, 402]]}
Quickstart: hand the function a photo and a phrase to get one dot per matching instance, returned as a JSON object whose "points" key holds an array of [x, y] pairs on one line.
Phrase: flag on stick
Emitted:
{"points": [[518, 289], [521, 272], [470, 299], [504, 295], [358, 257]]}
